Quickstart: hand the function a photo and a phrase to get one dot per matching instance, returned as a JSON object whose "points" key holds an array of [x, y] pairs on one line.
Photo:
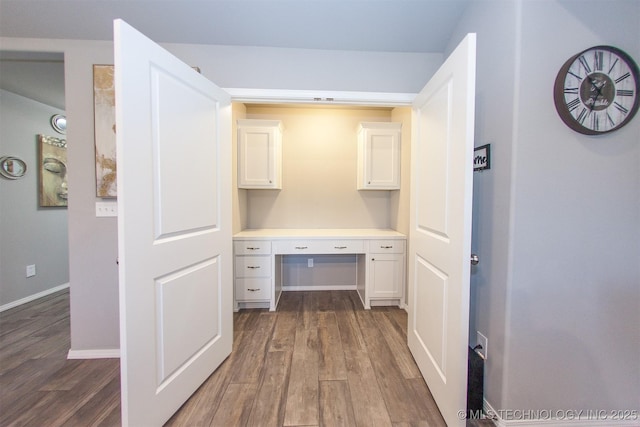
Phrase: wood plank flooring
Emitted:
{"points": [[38, 385], [320, 360]]}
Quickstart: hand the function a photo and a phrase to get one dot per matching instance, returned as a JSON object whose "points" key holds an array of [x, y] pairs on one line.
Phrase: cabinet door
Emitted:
{"points": [[379, 156], [386, 273], [259, 154]]}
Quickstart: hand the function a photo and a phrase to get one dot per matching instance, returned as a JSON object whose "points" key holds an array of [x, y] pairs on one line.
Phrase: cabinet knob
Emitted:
{"points": [[301, 247], [340, 247], [373, 259], [253, 266], [253, 289], [386, 247], [252, 248]]}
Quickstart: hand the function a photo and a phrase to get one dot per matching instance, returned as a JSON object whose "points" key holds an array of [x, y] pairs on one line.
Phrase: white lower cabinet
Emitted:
{"points": [[253, 273], [380, 265], [386, 272], [385, 278]]}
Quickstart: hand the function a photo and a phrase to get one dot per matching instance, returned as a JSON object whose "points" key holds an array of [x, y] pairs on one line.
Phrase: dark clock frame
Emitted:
{"points": [[558, 92]]}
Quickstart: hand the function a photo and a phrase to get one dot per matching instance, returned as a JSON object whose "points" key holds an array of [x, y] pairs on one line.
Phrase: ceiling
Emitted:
{"points": [[364, 25]]}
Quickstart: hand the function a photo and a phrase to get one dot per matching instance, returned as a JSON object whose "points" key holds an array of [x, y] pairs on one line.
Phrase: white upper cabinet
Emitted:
{"points": [[259, 154], [379, 156]]}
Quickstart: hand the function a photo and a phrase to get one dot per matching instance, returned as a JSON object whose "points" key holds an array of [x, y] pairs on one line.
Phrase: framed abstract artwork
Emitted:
{"points": [[104, 102]]}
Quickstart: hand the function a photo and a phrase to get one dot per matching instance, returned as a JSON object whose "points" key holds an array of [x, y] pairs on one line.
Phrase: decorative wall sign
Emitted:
{"points": [[482, 158], [104, 109], [52, 157], [12, 167]]}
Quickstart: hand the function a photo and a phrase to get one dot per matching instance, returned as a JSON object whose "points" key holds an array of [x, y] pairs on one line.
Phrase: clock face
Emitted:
{"points": [[596, 91]]}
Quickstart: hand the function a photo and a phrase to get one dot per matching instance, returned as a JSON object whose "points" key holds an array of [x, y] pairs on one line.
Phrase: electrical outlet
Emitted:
{"points": [[310, 262], [481, 340], [31, 270]]}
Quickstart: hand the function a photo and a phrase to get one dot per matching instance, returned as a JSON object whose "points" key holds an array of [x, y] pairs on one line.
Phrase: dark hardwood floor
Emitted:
{"points": [[320, 360]]}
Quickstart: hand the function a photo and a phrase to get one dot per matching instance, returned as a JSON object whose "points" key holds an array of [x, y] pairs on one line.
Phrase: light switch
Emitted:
{"points": [[104, 209]]}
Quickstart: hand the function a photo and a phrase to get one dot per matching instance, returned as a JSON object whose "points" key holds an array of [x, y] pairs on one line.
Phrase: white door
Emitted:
{"points": [[440, 229], [174, 227]]}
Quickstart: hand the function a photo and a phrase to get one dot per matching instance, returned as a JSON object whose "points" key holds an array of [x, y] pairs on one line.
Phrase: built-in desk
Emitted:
{"points": [[258, 255]]}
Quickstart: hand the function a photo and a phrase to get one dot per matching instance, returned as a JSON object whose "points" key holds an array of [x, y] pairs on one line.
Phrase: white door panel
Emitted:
{"points": [[440, 229], [174, 227]]}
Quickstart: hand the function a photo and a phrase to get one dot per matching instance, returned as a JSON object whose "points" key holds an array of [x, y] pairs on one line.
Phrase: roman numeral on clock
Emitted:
{"points": [[621, 108], [571, 90], [624, 92], [585, 64], [575, 75], [582, 116], [622, 77], [597, 60], [573, 104]]}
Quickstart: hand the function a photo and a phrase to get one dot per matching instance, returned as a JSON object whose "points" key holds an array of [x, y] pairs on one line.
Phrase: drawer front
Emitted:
{"points": [[252, 247], [299, 246], [319, 247], [252, 289], [253, 266], [386, 246], [347, 246]]}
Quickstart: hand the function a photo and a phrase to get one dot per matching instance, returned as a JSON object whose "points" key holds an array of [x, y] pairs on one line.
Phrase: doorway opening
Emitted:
{"points": [[34, 253]]}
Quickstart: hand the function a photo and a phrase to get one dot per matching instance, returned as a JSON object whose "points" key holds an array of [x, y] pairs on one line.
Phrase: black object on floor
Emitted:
{"points": [[475, 384]]}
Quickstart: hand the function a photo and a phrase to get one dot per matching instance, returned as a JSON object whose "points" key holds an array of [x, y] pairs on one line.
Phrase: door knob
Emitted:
{"points": [[474, 259]]}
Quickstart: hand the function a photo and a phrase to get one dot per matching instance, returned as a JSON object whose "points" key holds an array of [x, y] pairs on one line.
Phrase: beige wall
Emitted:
{"points": [[319, 184], [399, 214], [319, 172], [239, 197]]}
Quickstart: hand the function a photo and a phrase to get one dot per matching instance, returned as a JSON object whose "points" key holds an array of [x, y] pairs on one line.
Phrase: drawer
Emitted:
{"points": [[319, 247], [252, 289], [347, 246], [386, 246], [253, 266], [252, 247]]}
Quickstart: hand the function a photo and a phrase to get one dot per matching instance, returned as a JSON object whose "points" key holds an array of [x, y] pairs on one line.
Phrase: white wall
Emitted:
{"points": [[93, 241], [30, 234], [278, 68], [496, 26], [557, 291]]}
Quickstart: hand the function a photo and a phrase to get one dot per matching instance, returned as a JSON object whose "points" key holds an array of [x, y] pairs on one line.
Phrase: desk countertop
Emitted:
{"points": [[317, 233]]}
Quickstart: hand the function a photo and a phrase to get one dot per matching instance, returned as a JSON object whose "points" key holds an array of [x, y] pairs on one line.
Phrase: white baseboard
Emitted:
{"points": [[103, 353], [385, 302], [33, 297], [567, 417], [242, 305], [286, 288]]}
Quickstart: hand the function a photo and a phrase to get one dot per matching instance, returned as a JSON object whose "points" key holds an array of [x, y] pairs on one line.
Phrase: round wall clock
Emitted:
{"points": [[596, 91]]}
